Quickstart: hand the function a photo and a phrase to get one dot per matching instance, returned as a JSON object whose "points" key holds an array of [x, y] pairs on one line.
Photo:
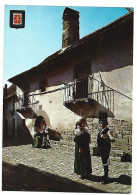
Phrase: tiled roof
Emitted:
{"points": [[80, 42], [11, 91]]}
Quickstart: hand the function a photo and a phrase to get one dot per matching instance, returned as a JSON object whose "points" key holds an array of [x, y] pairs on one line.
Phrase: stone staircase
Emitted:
{"points": [[69, 147]]}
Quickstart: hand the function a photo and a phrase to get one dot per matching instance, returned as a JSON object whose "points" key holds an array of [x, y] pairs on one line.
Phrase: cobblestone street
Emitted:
{"points": [[29, 169]]}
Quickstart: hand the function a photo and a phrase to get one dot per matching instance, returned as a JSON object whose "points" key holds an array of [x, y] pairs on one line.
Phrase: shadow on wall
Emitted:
{"points": [[23, 178], [114, 56], [23, 137]]}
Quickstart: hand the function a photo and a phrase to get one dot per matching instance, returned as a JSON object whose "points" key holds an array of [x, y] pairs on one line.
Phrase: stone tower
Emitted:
{"points": [[70, 27]]}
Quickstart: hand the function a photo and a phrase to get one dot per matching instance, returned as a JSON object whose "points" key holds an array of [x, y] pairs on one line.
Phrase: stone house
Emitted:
{"points": [[9, 121], [89, 77], [13, 122]]}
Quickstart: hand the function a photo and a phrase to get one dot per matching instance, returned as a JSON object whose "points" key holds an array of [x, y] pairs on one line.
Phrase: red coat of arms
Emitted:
{"points": [[17, 18]]}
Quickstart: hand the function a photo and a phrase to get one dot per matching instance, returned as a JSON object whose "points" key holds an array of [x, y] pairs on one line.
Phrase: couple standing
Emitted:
{"points": [[82, 163]]}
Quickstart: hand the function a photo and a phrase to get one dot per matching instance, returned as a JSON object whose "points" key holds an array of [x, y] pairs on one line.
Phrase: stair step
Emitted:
{"points": [[70, 146], [116, 153]]}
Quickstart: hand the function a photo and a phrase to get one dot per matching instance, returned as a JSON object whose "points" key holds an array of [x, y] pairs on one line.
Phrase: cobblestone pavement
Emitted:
{"points": [[29, 169]]}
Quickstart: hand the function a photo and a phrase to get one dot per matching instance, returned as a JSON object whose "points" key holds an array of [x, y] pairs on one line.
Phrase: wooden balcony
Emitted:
{"points": [[27, 106]]}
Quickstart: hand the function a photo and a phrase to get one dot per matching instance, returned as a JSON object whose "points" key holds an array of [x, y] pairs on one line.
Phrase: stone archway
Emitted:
{"points": [[44, 114], [53, 134]]}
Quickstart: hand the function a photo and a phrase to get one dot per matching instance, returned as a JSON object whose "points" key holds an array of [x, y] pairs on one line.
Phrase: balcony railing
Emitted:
{"points": [[102, 94], [90, 88], [25, 101]]}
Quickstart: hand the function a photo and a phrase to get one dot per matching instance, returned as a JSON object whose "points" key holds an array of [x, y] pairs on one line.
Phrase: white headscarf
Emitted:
{"points": [[77, 131]]}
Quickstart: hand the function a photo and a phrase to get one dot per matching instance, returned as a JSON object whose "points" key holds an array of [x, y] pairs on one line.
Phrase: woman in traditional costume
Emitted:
{"points": [[82, 163]]}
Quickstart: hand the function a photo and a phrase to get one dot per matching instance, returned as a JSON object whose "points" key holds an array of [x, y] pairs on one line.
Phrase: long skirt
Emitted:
{"points": [[37, 142], [82, 163]]}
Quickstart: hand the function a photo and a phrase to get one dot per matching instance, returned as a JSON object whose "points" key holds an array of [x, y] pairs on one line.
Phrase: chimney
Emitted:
{"points": [[70, 27]]}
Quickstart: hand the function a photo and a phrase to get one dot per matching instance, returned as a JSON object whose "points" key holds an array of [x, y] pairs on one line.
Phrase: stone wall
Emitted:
{"points": [[122, 133]]}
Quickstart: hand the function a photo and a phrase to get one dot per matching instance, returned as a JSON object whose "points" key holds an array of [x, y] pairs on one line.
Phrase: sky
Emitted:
{"points": [[42, 36]]}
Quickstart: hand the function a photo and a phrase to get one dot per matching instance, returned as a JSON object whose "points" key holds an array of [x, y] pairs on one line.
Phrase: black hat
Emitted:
{"points": [[104, 122]]}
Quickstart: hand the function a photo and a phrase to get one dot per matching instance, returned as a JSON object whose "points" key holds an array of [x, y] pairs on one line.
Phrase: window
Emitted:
{"points": [[81, 72], [82, 69], [40, 107], [43, 84]]}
